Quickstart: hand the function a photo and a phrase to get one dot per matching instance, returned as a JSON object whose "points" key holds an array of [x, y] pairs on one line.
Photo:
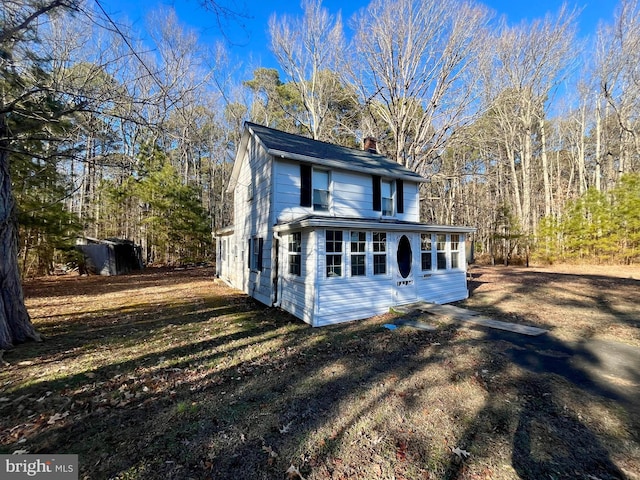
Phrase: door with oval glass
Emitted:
{"points": [[404, 285]]}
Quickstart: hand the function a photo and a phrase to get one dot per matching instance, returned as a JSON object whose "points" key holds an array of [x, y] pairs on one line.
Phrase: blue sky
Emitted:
{"points": [[250, 45]]}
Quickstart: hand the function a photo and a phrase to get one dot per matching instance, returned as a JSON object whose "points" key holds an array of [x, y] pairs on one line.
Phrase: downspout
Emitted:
{"points": [[276, 295]]}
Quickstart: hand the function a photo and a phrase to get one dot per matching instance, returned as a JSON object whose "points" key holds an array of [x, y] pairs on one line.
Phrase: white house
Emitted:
{"points": [[332, 234]]}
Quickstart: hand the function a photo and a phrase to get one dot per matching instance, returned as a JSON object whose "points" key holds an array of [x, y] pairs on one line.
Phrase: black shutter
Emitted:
{"points": [[305, 185], [260, 244], [400, 196], [249, 254], [377, 193]]}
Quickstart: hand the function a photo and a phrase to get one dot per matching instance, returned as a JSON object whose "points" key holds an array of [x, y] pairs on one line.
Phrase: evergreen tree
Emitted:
{"points": [[27, 96]]}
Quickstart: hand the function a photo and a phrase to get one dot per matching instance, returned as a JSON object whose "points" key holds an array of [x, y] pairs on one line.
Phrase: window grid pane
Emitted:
{"points": [[334, 265], [379, 264], [357, 265], [334, 241], [358, 242], [379, 242]]}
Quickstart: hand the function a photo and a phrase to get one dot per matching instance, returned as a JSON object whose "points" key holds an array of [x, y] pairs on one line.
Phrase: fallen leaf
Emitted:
{"points": [[270, 451], [460, 453], [57, 416], [20, 452], [293, 473], [286, 428]]}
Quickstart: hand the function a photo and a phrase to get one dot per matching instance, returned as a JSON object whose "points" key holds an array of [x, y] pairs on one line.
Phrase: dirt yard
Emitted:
{"points": [[168, 374]]}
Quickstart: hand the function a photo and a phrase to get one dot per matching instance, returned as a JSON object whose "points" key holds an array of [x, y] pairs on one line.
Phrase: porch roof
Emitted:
{"points": [[348, 223]]}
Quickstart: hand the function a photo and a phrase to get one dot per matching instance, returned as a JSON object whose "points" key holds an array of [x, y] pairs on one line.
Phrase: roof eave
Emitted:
{"points": [[333, 222], [327, 162]]}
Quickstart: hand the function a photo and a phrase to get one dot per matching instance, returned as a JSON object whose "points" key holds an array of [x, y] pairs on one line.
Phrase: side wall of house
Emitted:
{"points": [[252, 213], [351, 195]]}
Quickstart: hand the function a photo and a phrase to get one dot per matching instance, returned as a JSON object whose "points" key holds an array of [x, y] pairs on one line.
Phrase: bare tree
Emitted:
{"points": [[530, 61], [306, 47], [413, 67], [618, 57]]}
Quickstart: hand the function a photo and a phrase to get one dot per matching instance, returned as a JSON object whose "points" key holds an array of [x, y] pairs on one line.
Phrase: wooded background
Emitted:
{"points": [[525, 131]]}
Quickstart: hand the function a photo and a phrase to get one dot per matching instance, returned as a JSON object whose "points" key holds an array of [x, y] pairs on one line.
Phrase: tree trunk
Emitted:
{"points": [[545, 170], [15, 324]]}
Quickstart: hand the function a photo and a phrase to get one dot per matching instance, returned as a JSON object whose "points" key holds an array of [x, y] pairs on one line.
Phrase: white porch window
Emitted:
{"points": [[455, 250], [426, 247], [441, 246], [333, 246], [358, 249], [379, 253], [295, 253]]}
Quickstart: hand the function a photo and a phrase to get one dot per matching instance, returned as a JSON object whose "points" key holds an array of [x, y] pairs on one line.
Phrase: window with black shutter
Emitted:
{"points": [[399, 196]]}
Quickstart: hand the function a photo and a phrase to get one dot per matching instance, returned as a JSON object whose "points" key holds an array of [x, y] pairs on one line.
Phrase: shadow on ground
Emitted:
{"points": [[239, 390]]}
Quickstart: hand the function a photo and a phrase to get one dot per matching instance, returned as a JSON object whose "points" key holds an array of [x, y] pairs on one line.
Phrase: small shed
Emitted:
{"points": [[110, 256]]}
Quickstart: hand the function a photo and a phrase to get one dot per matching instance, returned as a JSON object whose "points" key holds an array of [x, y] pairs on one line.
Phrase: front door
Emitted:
{"points": [[404, 285]]}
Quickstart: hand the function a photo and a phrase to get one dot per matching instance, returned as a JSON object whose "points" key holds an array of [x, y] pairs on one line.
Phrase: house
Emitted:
{"points": [[332, 234]]}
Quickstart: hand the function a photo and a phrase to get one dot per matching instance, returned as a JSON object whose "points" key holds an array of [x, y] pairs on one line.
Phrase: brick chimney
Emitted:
{"points": [[370, 145]]}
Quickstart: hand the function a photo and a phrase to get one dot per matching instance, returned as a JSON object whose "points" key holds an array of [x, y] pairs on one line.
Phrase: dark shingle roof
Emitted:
{"points": [[288, 145]]}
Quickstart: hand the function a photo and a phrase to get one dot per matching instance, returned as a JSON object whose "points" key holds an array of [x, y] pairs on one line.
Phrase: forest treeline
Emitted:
{"points": [[526, 131]]}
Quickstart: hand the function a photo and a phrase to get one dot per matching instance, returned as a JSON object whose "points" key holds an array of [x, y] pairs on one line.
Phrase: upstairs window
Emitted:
{"points": [[358, 249], [295, 253], [333, 246], [314, 188], [320, 183], [386, 192]]}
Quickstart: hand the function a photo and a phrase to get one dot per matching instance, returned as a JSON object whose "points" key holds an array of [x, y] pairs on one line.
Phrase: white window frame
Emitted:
{"points": [[316, 174], [429, 251], [360, 251], [386, 202], [455, 250], [441, 251], [294, 248], [334, 254], [377, 252]]}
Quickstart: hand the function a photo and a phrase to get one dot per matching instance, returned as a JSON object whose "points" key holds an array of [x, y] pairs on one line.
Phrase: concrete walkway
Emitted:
{"points": [[464, 315], [604, 367]]}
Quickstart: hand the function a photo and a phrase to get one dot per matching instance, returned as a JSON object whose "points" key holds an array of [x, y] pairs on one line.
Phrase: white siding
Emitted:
{"points": [[252, 210], [351, 195], [349, 298]]}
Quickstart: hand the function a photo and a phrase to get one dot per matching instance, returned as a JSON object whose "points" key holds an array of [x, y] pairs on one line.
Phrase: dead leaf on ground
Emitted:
{"points": [[293, 473], [285, 428], [460, 453], [57, 416]]}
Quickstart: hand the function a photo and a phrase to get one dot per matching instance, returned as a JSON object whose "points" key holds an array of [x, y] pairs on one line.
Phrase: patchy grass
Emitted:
{"points": [[167, 374]]}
